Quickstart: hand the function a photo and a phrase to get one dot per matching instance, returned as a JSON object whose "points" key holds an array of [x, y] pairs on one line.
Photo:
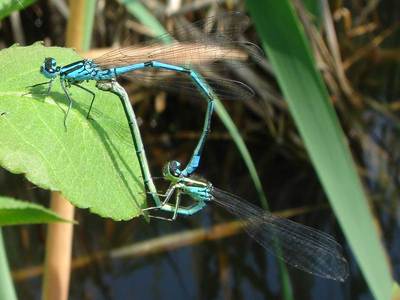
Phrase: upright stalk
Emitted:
{"points": [[59, 235], [58, 251]]}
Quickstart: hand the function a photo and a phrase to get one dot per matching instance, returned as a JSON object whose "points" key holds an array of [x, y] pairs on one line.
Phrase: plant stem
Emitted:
{"points": [[58, 251], [59, 236]]}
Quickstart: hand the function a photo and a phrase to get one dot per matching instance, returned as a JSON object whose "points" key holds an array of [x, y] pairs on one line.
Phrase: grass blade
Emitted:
{"points": [[7, 290], [285, 43]]}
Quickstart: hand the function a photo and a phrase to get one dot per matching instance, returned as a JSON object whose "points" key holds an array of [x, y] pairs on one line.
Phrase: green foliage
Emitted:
{"points": [[9, 6], [89, 13], [92, 162], [7, 290], [139, 11], [289, 53], [16, 212]]}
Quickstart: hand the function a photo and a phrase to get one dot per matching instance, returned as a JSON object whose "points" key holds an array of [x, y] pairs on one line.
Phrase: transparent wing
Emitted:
{"points": [[196, 49], [226, 89], [209, 40], [184, 54], [301, 246]]}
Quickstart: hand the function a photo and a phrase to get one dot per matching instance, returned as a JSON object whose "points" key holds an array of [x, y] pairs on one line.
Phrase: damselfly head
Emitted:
{"points": [[171, 170], [49, 68]]}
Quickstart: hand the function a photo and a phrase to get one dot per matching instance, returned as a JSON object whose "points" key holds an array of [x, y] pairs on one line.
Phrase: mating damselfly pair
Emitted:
{"points": [[303, 247]]}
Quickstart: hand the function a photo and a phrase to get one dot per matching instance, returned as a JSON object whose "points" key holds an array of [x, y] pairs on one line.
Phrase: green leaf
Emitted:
{"points": [[290, 55], [15, 212], [92, 162], [7, 290], [9, 6]]}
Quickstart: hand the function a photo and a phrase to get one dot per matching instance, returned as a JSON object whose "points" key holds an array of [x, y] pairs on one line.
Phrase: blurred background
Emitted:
{"points": [[186, 259]]}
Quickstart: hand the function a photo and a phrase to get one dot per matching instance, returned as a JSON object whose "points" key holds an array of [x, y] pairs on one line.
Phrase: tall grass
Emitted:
{"points": [[309, 104]]}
